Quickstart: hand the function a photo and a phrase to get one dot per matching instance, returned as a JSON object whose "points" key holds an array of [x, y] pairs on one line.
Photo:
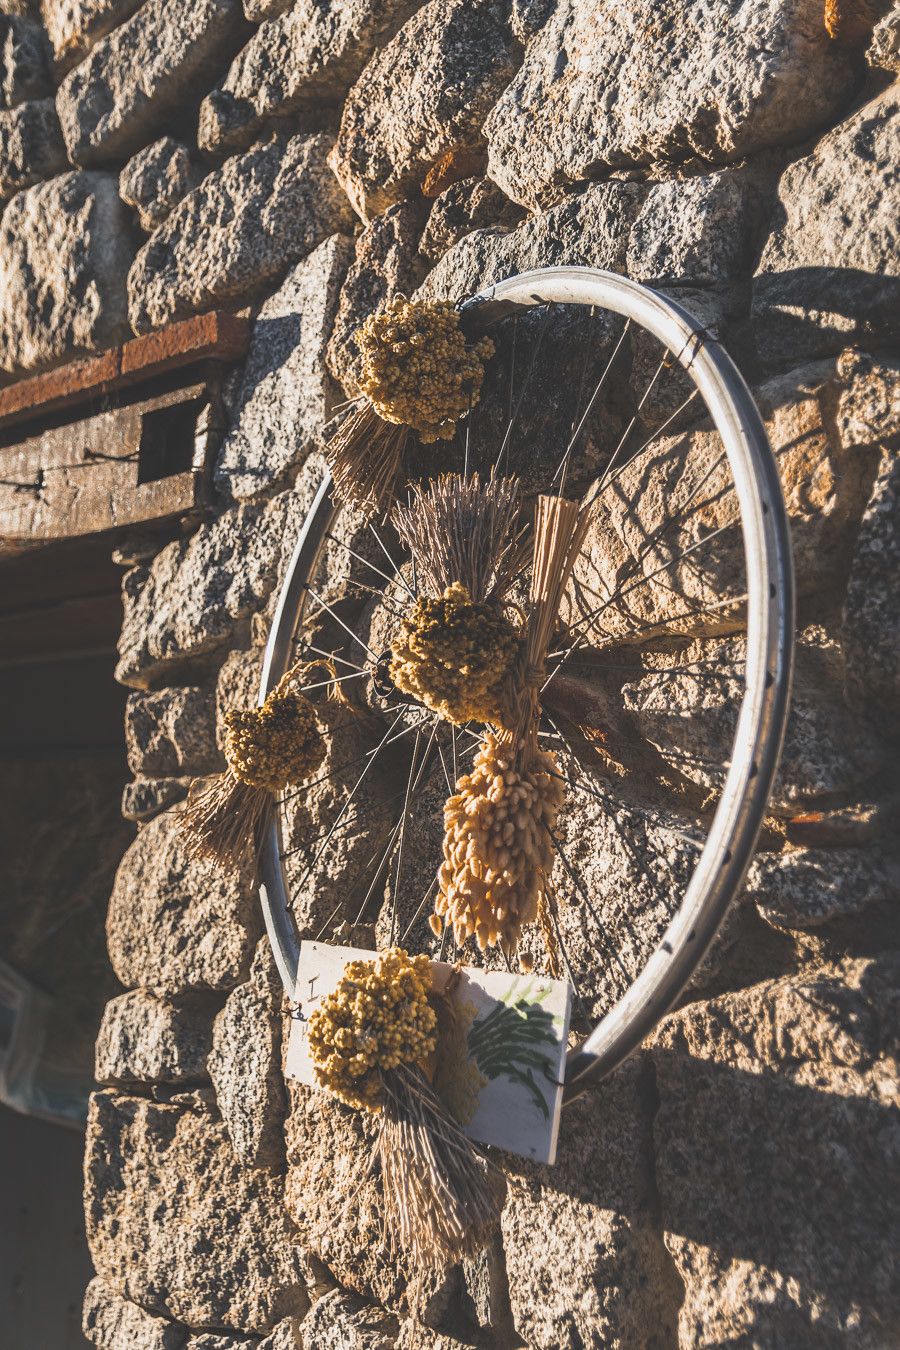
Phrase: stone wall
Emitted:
{"points": [[731, 1184]]}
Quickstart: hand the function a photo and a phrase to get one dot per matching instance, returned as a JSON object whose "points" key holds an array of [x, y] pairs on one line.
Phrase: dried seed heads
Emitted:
{"points": [[498, 844], [276, 744]]}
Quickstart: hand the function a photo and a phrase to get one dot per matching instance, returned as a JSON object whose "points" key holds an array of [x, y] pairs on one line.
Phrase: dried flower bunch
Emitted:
{"points": [[376, 1019], [369, 1040], [267, 749], [454, 655], [498, 826], [498, 845], [419, 373]]}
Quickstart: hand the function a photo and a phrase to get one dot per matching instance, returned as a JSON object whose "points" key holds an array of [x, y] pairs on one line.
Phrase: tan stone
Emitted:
{"points": [[178, 1225], [174, 924], [774, 1160]]}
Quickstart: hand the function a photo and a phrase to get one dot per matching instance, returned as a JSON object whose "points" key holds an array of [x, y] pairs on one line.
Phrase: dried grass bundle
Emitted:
{"points": [[463, 529], [365, 456], [442, 1197]]}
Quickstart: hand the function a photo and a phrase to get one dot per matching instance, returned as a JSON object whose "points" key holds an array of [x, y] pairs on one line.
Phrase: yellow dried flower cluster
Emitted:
{"points": [[454, 655], [377, 1018], [498, 846], [418, 370], [276, 744]]}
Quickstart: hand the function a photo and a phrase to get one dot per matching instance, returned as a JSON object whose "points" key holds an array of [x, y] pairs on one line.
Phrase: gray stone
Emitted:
{"points": [[175, 924], [868, 413], [64, 255], [144, 798], [172, 731], [136, 78], [24, 72], [328, 1152], [73, 26], [688, 706], [146, 1038], [258, 10], [695, 231], [830, 273], [884, 48], [529, 16], [423, 96], [298, 62], [825, 485], [245, 1065], [471, 204], [287, 394], [340, 1321], [110, 1322], [386, 263], [590, 229], [871, 621], [810, 887], [198, 593], [243, 225], [156, 179], [214, 1342], [611, 85], [31, 146], [775, 1160], [176, 1223], [584, 1255], [286, 1336]]}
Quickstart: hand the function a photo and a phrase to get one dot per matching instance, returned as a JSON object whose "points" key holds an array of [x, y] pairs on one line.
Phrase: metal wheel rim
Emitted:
{"points": [[769, 635]]}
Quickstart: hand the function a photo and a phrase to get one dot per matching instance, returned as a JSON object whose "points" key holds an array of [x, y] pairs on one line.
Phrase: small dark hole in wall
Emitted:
{"points": [[167, 441]]}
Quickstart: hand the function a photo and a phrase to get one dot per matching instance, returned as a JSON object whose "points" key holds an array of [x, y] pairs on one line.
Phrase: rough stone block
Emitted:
{"points": [[243, 225], [830, 271], [31, 146], [585, 1259], [610, 85], [110, 1322], [286, 1336], [287, 394], [176, 1223], [64, 256], [340, 1321], [810, 887], [73, 26], [871, 624], [24, 54], [172, 731], [773, 1159], [589, 229], [298, 62], [884, 48], [328, 1150], [688, 709], [136, 78], [237, 686], [825, 486], [145, 1038], [144, 798], [245, 1065], [423, 96], [175, 924], [258, 10], [386, 263], [196, 593], [156, 180], [470, 204]]}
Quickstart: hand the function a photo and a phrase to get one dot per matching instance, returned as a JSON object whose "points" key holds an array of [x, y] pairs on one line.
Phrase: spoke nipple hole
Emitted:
{"points": [[691, 935], [772, 589], [726, 857], [754, 769], [770, 679], [668, 948], [765, 507]]}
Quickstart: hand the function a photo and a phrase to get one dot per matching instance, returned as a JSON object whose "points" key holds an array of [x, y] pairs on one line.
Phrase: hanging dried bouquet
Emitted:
{"points": [[420, 374]]}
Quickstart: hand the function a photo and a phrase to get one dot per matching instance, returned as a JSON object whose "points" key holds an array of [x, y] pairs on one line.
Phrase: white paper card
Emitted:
{"points": [[512, 1032]]}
